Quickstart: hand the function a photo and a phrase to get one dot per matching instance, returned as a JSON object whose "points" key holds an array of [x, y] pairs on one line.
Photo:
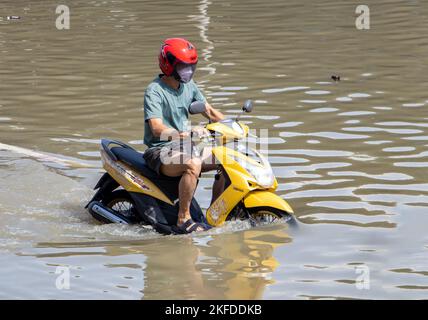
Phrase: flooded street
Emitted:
{"points": [[350, 156]]}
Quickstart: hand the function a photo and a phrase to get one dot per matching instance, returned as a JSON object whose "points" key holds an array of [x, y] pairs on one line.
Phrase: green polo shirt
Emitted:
{"points": [[172, 106]]}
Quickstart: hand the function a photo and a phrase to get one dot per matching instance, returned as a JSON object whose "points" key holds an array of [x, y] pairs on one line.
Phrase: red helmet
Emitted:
{"points": [[174, 51]]}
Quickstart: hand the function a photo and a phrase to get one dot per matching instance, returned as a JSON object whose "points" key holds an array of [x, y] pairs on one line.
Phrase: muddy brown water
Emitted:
{"points": [[351, 156]]}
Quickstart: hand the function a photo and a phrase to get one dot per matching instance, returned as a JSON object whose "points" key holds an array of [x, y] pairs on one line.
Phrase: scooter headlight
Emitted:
{"points": [[262, 172], [264, 177]]}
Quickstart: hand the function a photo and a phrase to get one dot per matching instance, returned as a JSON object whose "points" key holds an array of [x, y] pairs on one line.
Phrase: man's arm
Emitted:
{"points": [[160, 130], [212, 114]]}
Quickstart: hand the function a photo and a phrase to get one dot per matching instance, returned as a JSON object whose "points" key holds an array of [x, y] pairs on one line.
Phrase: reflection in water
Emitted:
{"points": [[248, 268], [235, 265], [228, 266], [204, 21]]}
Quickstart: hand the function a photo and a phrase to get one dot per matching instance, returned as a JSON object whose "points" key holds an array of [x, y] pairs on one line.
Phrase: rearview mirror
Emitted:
{"points": [[248, 106], [197, 107]]}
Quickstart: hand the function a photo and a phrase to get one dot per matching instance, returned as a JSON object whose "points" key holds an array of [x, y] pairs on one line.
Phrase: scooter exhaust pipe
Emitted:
{"points": [[101, 212]]}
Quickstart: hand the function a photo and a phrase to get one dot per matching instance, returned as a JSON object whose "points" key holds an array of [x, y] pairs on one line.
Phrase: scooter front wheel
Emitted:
{"points": [[262, 216]]}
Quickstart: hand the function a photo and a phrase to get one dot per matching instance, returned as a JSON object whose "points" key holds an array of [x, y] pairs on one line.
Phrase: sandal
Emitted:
{"points": [[190, 226]]}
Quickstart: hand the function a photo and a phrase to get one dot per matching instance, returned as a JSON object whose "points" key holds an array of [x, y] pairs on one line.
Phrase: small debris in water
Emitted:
{"points": [[13, 17], [335, 77]]}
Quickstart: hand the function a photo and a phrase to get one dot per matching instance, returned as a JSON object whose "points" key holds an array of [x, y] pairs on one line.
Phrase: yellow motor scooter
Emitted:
{"points": [[130, 192]]}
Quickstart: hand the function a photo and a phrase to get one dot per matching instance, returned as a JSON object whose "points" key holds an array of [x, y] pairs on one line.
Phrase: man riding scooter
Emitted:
{"points": [[166, 113], [156, 188]]}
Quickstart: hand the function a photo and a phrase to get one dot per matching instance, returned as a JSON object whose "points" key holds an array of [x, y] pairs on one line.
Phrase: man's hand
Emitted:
{"points": [[178, 135], [184, 134], [200, 131], [212, 114]]}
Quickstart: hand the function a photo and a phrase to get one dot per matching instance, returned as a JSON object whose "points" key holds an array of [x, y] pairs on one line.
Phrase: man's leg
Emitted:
{"points": [[218, 186], [209, 163], [189, 170]]}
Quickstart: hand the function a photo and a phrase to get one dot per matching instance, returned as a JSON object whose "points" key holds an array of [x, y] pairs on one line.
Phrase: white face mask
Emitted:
{"points": [[185, 71]]}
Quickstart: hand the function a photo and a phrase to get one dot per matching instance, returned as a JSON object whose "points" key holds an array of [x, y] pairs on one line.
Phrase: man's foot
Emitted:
{"points": [[190, 226]]}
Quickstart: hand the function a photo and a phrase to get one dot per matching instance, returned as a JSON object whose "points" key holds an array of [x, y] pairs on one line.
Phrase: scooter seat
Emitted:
{"points": [[134, 159], [169, 185]]}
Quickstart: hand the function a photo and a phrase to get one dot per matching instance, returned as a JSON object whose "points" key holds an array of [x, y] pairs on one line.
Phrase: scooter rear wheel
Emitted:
{"points": [[121, 202]]}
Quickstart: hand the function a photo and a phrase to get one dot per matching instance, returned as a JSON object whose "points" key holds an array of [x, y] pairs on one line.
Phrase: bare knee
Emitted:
{"points": [[193, 167]]}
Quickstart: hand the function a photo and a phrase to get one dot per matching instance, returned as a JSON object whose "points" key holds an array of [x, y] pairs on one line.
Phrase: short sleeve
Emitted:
{"points": [[152, 105], [197, 94]]}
